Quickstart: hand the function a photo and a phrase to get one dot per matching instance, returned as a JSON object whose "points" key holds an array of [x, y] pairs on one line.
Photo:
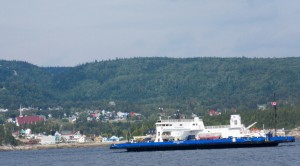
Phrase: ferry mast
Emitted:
{"points": [[274, 104]]}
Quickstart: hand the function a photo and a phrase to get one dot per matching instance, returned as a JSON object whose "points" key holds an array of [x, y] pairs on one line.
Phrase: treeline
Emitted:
{"points": [[6, 137], [192, 83]]}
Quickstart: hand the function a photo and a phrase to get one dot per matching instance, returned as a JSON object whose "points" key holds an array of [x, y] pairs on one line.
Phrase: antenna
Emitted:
{"points": [[274, 104]]}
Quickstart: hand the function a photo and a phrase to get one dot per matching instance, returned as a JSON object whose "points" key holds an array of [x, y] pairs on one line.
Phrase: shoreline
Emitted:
{"points": [[56, 146], [63, 146]]}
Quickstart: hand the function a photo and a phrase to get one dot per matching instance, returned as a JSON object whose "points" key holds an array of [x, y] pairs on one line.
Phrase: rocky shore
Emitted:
{"points": [[55, 146]]}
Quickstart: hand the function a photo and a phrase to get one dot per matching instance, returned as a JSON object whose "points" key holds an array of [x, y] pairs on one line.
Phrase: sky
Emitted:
{"points": [[74, 32]]}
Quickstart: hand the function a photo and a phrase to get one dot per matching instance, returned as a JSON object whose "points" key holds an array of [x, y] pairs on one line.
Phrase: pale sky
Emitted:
{"points": [[73, 32]]}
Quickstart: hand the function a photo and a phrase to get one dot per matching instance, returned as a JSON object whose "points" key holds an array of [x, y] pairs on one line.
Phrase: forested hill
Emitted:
{"points": [[199, 82]]}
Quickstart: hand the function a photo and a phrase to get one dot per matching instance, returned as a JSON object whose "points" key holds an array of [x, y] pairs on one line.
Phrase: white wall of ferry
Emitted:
{"points": [[180, 129]]}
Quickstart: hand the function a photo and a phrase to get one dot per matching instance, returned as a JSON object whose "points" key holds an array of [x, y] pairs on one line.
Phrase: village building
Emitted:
{"points": [[262, 107], [50, 139], [214, 113], [3, 110], [29, 120], [70, 137]]}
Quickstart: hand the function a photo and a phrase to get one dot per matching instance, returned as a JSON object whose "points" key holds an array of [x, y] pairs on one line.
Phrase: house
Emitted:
{"points": [[89, 119], [11, 120], [121, 115], [214, 113], [72, 119], [21, 120], [45, 140], [67, 136], [104, 139], [3, 110], [27, 133], [114, 139], [98, 139], [262, 107], [81, 139], [70, 137], [132, 114], [95, 115]]}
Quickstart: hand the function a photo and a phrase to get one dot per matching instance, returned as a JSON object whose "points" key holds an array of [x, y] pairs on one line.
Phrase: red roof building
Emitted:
{"points": [[132, 114], [214, 113], [29, 120]]}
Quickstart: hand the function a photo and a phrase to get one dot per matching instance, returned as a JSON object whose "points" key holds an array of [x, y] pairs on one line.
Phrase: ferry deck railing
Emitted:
{"points": [[176, 120], [217, 127]]}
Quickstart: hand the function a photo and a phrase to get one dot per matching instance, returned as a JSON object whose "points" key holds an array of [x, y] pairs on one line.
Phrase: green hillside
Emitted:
{"points": [[193, 83]]}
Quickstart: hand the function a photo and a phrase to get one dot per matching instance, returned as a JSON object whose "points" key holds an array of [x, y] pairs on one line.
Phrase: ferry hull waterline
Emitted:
{"points": [[204, 144], [188, 134]]}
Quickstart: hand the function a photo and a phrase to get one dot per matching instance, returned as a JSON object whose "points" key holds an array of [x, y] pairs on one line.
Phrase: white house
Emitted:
{"points": [[114, 139], [46, 140], [3, 110]]}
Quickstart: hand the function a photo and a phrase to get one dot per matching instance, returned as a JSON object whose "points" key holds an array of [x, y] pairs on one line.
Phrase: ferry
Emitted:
{"points": [[185, 134]]}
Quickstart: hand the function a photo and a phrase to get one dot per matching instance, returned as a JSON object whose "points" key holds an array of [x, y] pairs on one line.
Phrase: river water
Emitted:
{"points": [[283, 155]]}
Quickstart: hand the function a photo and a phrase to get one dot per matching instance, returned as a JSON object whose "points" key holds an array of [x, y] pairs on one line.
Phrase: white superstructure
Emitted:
{"points": [[183, 129]]}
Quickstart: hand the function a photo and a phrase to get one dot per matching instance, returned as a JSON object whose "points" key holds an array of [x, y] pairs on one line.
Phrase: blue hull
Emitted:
{"points": [[204, 144]]}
